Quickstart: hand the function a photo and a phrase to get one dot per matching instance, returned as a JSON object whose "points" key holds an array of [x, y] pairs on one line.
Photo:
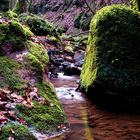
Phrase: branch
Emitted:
{"points": [[89, 7]]}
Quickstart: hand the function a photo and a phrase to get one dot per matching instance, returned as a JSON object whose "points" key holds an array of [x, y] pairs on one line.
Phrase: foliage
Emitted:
{"points": [[20, 132], [8, 73], [113, 51]]}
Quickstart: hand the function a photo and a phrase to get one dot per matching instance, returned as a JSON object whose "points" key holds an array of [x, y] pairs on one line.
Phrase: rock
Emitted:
{"points": [[72, 70], [79, 58], [112, 54], [65, 64]]}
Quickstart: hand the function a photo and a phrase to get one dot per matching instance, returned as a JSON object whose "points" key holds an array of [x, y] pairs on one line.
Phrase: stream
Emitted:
{"points": [[87, 121]]}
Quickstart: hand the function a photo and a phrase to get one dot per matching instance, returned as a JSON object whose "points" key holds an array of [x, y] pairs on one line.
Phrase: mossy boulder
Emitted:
{"points": [[13, 36], [135, 4], [112, 54], [38, 25], [37, 59]]}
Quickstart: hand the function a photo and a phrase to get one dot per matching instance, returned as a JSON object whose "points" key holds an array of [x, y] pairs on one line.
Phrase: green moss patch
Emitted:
{"points": [[135, 4], [13, 36], [113, 51], [38, 25], [8, 72], [39, 51], [37, 58], [11, 15], [20, 132]]}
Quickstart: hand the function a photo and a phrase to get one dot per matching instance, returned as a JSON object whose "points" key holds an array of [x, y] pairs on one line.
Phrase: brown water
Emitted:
{"points": [[89, 122]]}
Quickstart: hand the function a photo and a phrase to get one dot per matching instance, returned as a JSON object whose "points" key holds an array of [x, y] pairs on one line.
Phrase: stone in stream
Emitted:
{"points": [[112, 64], [72, 70], [79, 58]]}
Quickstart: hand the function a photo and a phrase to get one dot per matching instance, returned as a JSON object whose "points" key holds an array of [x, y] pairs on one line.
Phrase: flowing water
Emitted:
{"points": [[87, 121]]}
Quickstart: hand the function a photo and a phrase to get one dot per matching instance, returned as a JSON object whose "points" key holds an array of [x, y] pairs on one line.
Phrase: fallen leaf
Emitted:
{"points": [[11, 138], [22, 121], [33, 95], [11, 115], [27, 104], [42, 100]]}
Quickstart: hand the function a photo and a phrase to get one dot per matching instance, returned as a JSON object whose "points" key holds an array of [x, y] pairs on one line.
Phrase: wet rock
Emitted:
{"points": [[79, 58], [51, 52], [72, 70], [60, 60], [65, 64], [56, 63], [61, 68]]}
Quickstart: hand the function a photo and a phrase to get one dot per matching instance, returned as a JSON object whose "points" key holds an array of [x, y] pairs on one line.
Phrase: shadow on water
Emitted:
{"points": [[115, 103], [100, 119]]}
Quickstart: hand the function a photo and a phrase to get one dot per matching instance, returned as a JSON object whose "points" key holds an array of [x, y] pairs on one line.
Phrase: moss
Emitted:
{"points": [[45, 118], [38, 25], [39, 51], [37, 58], [69, 48], [34, 64], [9, 74], [11, 15], [13, 36], [112, 54], [21, 132], [135, 4]]}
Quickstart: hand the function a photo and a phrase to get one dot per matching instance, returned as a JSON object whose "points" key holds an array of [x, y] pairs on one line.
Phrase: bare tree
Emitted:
{"points": [[88, 5]]}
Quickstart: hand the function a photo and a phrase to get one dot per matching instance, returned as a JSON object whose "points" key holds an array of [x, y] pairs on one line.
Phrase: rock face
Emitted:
{"points": [[112, 55]]}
